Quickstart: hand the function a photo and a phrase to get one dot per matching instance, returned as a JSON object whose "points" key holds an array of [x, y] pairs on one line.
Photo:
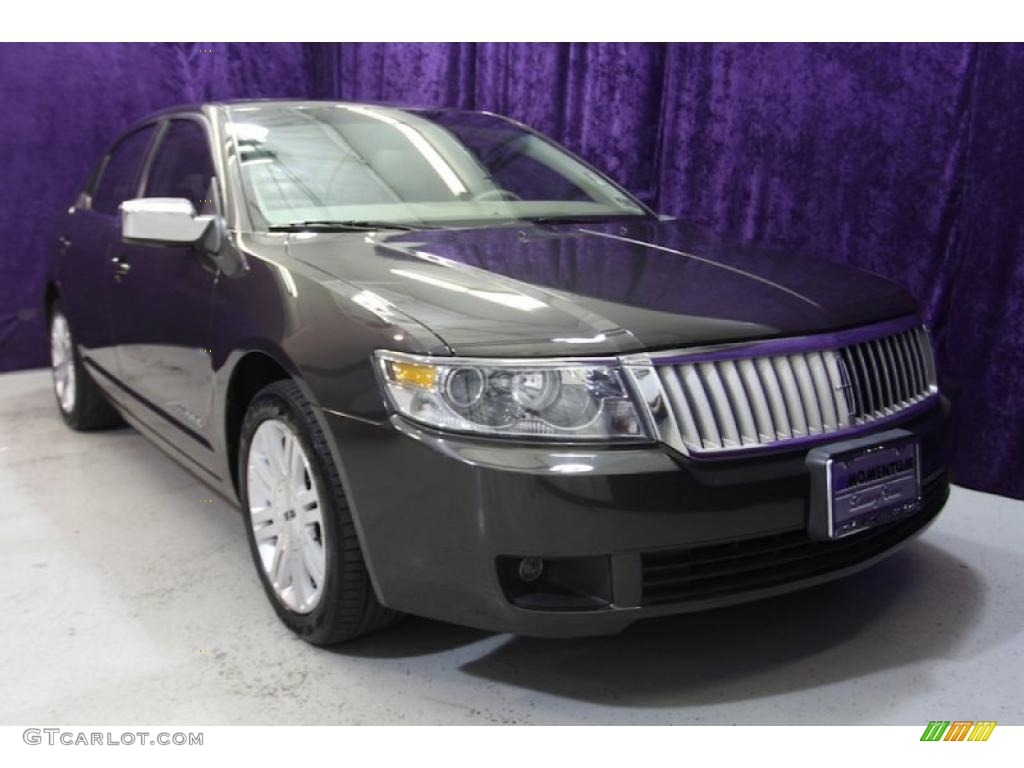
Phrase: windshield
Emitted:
{"points": [[317, 164]]}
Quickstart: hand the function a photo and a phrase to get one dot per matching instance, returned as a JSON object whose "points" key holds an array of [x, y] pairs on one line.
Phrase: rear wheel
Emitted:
{"points": [[82, 404], [300, 528]]}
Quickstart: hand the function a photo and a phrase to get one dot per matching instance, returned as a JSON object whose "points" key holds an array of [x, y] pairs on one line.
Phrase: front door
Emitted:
{"points": [[163, 300], [88, 236]]}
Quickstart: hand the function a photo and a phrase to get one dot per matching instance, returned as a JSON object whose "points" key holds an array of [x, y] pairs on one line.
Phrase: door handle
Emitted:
{"points": [[121, 267]]}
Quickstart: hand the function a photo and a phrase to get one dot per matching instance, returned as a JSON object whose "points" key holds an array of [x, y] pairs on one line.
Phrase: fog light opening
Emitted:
{"points": [[556, 583]]}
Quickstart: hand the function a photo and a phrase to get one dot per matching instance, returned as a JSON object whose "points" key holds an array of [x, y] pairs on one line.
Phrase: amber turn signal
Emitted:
{"points": [[417, 375]]}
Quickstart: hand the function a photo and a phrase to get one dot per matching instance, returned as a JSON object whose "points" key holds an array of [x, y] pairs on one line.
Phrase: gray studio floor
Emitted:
{"points": [[127, 598]]}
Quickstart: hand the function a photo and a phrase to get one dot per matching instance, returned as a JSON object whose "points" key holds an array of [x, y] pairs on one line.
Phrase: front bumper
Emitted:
{"points": [[441, 519]]}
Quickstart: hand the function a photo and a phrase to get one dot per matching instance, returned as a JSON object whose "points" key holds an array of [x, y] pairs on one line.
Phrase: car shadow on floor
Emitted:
{"points": [[917, 605], [413, 637]]}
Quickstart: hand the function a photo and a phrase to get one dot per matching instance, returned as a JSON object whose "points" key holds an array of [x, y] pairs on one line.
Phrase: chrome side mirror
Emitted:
{"points": [[169, 220]]}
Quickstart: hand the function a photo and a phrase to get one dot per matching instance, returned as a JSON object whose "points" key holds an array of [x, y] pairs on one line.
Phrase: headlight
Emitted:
{"points": [[540, 399]]}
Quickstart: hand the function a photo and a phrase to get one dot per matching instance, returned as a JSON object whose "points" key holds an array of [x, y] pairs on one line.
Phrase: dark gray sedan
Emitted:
{"points": [[450, 369]]}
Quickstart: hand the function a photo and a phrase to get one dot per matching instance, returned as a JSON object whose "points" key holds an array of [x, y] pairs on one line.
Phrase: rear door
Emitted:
{"points": [[162, 302], [85, 271]]}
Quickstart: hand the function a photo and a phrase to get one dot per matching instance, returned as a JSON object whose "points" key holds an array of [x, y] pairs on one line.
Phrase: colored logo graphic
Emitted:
{"points": [[958, 730]]}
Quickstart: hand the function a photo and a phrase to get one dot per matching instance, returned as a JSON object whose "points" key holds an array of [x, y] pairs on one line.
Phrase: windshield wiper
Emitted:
{"points": [[329, 225]]}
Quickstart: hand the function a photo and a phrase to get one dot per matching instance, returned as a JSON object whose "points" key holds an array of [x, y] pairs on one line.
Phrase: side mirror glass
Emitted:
{"points": [[168, 220]]}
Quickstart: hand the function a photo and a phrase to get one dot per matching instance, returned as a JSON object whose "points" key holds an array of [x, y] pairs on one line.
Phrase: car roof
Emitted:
{"points": [[199, 108], [323, 102]]}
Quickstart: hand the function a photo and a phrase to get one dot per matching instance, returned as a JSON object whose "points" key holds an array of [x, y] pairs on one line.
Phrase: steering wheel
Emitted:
{"points": [[496, 194]]}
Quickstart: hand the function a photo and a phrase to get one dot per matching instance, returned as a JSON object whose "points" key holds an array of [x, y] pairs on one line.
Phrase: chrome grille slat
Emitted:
{"points": [[720, 407], [736, 401], [680, 407], [875, 380], [791, 396], [808, 397], [868, 380], [904, 362], [905, 343], [890, 369], [776, 401], [758, 398], [856, 390], [843, 404], [739, 402], [875, 395], [906, 340], [903, 368], [823, 390], [705, 417], [882, 371], [890, 374], [926, 358]]}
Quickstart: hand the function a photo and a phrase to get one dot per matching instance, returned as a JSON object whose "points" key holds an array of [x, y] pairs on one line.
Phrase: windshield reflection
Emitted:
{"points": [[358, 165]]}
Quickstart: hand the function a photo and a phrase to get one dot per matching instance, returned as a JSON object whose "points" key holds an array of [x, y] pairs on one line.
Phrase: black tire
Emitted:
{"points": [[348, 606], [89, 409]]}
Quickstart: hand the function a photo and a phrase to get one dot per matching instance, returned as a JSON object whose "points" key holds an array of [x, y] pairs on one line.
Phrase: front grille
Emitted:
{"points": [[719, 570], [785, 389]]}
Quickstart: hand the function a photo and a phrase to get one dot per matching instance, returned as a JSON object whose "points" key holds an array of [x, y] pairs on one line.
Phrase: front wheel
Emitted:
{"points": [[299, 524]]}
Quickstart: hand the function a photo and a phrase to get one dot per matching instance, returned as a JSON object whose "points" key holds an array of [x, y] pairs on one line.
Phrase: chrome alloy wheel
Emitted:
{"points": [[62, 360], [287, 519]]}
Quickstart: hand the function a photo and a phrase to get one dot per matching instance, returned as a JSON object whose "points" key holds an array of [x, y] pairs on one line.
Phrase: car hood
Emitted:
{"points": [[598, 289]]}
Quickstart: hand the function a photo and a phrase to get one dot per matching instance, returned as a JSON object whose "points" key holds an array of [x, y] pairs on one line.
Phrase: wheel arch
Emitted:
{"points": [[252, 371], [251, 368], [50, 294]]}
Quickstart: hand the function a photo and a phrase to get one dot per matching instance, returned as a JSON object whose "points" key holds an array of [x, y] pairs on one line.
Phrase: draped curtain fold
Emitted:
{"points": [[906, 159]]}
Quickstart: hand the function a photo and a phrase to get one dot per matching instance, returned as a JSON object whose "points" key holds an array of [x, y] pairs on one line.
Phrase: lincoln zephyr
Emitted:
{"points": [[448, 368]]}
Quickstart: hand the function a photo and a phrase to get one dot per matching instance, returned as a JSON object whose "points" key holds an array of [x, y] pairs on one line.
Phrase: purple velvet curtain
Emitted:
{"points": [[907, 160]]}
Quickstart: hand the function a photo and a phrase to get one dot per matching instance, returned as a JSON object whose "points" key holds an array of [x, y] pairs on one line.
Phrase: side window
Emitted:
{"points": [[120, 175], [182, 166]]}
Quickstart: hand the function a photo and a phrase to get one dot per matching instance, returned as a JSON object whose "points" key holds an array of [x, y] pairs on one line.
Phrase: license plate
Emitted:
{"points": [[859, 484]]}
